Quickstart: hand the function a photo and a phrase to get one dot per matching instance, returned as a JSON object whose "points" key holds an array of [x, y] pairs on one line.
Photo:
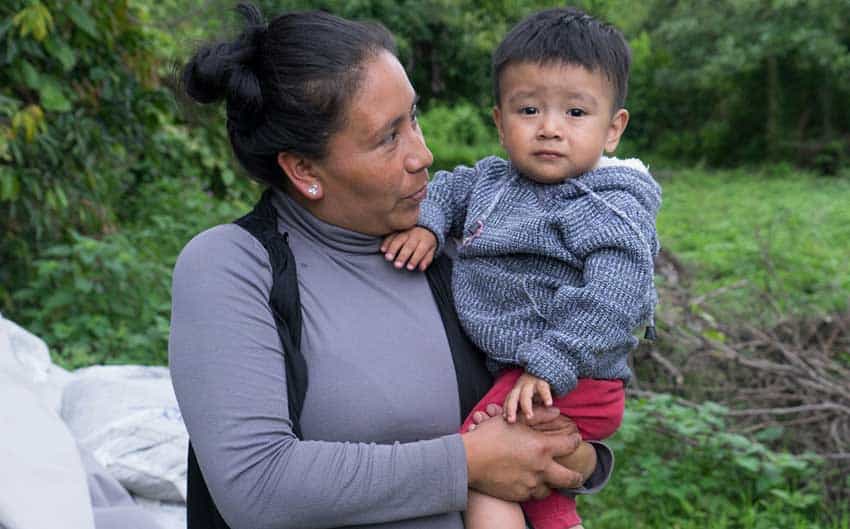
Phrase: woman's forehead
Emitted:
{"points": [[384, 95]]}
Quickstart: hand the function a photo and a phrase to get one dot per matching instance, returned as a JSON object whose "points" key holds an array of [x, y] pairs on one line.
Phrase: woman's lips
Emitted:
{"points": [[420, 195]]}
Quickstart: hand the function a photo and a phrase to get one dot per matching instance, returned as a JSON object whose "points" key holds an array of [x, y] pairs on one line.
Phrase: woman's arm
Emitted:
{"points": [[228, 373], [229, 377]]}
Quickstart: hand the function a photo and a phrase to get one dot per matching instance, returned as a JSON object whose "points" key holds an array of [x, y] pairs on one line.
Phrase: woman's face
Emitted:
{"points": [[375, 174]]}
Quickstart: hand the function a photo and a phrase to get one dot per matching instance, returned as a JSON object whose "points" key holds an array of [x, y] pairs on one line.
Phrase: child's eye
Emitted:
{"points": [[576, 112], [528, 111]]}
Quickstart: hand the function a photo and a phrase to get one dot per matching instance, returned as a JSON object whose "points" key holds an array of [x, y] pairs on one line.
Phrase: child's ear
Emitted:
{"points": [[616, 129], [497, 119]]}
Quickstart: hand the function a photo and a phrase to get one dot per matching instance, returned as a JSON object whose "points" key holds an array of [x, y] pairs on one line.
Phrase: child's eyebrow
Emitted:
{"points": [[523, 94], [582, 97]]}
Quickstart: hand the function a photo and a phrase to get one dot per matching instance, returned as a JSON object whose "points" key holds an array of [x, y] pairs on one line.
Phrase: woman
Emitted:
{"points": [[320, 110]]}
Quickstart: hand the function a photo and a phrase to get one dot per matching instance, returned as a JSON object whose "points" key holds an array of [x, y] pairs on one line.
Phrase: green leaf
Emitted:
{"points": [[52, 97], [82, 19], [30, 75], [10, 187], [61, 51]]}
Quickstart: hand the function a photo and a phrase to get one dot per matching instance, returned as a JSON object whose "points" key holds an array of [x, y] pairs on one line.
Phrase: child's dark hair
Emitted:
{"points": [[287, 84], [569, 36]]}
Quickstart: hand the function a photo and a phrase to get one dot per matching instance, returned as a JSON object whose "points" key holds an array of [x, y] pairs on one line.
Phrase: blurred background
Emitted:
{"points": [[739, 415]]}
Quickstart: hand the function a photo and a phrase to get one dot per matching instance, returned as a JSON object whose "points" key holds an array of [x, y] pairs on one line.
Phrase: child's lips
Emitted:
{"points": [[548, 155]]}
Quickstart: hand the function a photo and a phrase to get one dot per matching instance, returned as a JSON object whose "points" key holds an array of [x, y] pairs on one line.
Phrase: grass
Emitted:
{"points": [[769, 230]]}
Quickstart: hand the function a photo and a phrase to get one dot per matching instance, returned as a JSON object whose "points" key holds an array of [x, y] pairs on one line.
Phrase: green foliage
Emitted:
{"points": [[782, 231], [85, 121], [459, 135], [108, 300], [734, 81], [681, 467]]}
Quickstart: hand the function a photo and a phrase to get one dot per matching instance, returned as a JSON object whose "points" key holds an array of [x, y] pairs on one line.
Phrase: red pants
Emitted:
{"points": [[596, 406]]}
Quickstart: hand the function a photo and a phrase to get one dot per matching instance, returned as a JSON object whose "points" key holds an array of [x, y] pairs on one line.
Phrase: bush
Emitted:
{"points": [[679, 466], [108, 300], [459, 135]]}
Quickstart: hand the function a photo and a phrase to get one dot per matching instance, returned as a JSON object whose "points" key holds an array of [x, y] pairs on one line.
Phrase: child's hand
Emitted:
{"points": [[415, 247], [526, 388]]}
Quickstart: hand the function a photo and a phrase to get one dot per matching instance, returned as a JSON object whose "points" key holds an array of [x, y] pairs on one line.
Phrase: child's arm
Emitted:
{"points": [[441, 215], [584, 322]]}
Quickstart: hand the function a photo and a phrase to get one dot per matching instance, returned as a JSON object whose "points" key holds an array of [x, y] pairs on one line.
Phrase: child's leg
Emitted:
{"points": [[596, 406], [487, 512]]}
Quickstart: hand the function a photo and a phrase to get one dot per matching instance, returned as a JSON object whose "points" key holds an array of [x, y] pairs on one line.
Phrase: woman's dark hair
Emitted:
{"points": [[568, 36], [286, 84]]}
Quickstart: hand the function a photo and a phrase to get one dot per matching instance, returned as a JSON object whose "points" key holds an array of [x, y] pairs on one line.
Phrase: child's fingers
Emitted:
{"points": [[544, 392], [526, 396], [405, 252], [427, 260], [395, 245], [418, 256], [511, 402], [387, 241]]}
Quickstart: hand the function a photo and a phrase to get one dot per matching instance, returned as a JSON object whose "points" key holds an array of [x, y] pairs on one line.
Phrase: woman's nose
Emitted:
{"points": [[419, 157]]}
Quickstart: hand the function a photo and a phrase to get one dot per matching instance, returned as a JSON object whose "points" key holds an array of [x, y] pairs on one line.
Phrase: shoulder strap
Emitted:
{"points": [[284, 300], [473, 379]]}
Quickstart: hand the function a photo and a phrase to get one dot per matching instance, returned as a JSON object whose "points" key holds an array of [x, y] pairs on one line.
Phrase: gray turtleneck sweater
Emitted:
{"points": [[380, 413]]}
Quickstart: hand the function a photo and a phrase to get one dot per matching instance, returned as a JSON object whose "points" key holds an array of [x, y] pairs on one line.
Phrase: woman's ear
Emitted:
{"points": [[616, 129], [302, 175]]}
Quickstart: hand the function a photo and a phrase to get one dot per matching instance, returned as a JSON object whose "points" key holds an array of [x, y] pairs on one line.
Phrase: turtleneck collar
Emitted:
{"points": [[297, 218]]}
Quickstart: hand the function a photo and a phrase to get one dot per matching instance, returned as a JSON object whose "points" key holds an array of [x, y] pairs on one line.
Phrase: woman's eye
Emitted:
{"points": [[528, 111], [576, 112], [390, 138]]}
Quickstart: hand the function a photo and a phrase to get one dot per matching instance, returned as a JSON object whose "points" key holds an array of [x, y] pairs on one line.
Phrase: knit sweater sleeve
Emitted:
{"points": [[444, 209], [585, 322]]}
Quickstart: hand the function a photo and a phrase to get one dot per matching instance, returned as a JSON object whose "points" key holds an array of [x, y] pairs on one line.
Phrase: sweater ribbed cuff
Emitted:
{"points": [[543, 361], [431, 217]]}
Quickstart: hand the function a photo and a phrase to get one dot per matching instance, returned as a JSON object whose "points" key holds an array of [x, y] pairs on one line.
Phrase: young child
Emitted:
{"points": [[554, 268]]}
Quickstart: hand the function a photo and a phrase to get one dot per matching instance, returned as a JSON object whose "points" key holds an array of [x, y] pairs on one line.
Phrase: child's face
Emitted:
{"points": [[555, 120]]}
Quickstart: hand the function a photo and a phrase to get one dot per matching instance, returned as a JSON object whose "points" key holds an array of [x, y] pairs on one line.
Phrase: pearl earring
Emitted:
{"points": [[313, 190]]}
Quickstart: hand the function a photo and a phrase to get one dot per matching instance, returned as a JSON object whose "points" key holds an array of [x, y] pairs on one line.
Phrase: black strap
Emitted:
{"points": [[284, 300], [473, 379]]}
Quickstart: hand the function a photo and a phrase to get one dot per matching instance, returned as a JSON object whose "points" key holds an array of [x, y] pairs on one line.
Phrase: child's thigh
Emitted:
{"points": [[596, 406]]}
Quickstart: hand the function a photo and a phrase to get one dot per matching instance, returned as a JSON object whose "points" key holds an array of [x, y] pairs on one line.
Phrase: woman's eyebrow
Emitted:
{"points": [[398, 119]]}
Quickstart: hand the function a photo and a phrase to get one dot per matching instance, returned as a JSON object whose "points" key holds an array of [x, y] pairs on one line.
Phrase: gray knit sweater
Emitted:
{"points": [[553, 278]]}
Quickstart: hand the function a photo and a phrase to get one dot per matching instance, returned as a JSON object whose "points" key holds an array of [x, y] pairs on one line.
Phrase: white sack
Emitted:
{"points": [[127, 417]]}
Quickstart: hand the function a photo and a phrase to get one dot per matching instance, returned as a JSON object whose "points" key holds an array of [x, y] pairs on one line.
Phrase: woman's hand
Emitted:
{"points": [[514, 462]]}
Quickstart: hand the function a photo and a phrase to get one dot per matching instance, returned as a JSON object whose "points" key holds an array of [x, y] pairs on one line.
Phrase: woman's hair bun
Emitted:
{"points": [[227, 70]]}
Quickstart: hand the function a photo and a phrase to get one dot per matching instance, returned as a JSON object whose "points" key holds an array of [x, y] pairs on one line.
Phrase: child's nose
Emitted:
{"points": [[550, 127]]}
